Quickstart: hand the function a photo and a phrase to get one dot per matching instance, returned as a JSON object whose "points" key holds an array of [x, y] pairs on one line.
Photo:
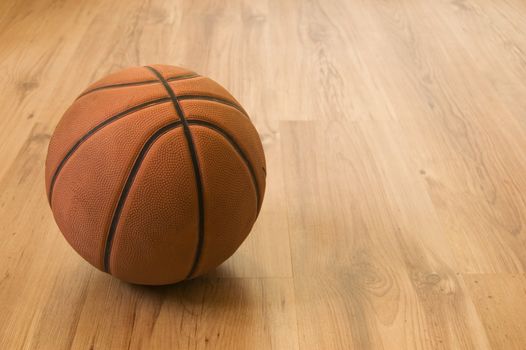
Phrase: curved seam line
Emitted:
{"points": [[92, 131], [238, 150], [138, 83], [127, 186], [195, 162], [215, 99], [120, 115]]}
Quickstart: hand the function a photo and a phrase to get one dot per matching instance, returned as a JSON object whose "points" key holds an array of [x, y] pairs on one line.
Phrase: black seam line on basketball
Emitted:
{"points": [[127, 186], [214, 99], [236, 147], [138, 83], [93, 131], [197, 171]]}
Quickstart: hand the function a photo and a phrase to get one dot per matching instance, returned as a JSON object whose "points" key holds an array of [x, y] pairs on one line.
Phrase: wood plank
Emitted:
{"points": [[386, 282], [199, 314], [496, 298]]}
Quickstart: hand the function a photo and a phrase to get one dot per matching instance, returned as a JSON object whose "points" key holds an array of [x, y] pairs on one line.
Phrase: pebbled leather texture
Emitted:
{"points": [[122, 184]]}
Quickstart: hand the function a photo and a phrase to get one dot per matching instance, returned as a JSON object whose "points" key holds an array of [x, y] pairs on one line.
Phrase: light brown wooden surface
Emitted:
{"points": [[395, 134]]}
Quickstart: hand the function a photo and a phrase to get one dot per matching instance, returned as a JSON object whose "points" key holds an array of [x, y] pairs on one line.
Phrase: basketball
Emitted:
{"points": [[155, 174]]}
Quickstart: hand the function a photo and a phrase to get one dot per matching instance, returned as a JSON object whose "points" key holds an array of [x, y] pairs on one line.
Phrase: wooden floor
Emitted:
{"points": [[395, 134]]}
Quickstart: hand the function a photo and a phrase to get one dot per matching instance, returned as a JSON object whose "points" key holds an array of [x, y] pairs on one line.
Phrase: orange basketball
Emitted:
{"points": [[155, 174]]}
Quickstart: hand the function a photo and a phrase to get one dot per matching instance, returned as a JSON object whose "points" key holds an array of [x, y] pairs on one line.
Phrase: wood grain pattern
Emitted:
{"points": [[495, 297], [395, 211]]}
